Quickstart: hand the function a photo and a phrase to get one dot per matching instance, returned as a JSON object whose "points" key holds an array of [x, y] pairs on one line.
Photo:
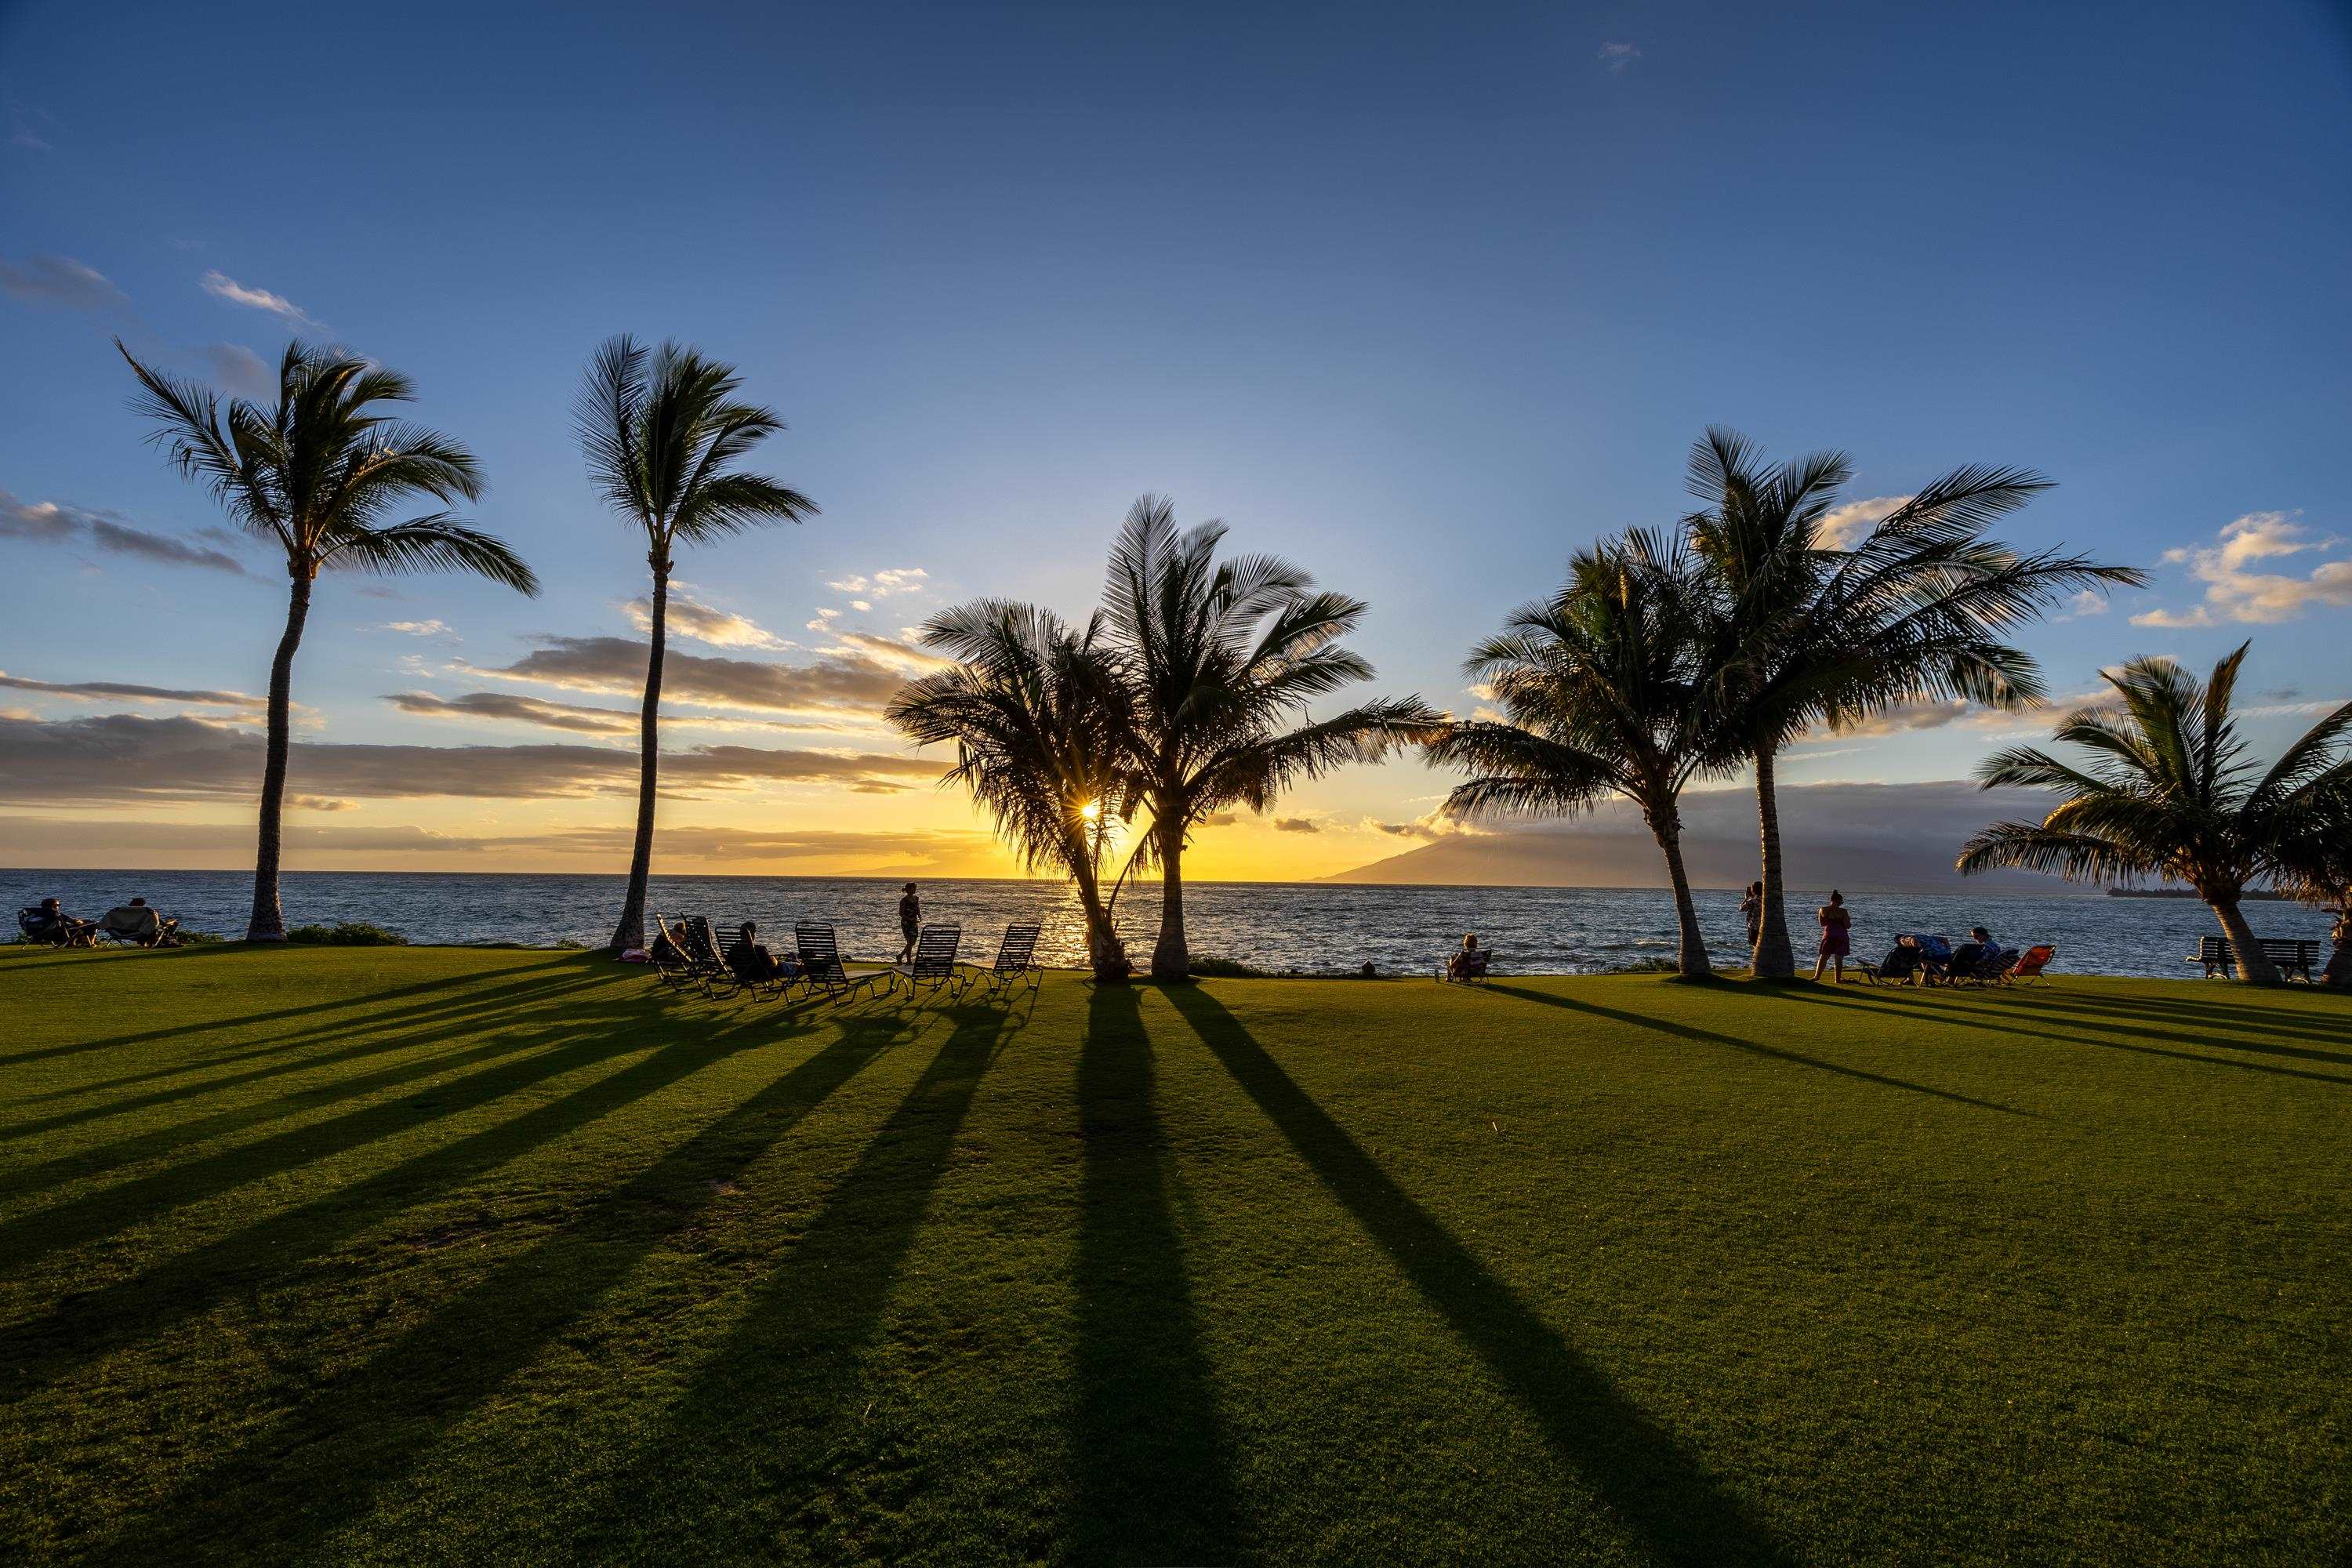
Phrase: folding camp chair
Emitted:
{"points": [[1473, 972], [935, 963], [1015, 961], [2031, 964], [821, 963]]}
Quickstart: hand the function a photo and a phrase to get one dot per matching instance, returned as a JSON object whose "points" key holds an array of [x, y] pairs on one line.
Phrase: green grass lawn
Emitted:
{"points": [[457, 1254]]}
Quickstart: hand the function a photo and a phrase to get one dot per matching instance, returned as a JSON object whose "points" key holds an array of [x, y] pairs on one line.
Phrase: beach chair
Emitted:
{"points": [[1473, 973], [673, 965], [821, 965], [62, 931], [777, 986], [2031, 964], [1015, 961], [935, 963], [1990, 968], [138, 926]]}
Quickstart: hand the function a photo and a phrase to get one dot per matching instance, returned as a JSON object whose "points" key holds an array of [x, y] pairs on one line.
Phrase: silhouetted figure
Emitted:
{"points": [[910, 923], [1837, 940]]}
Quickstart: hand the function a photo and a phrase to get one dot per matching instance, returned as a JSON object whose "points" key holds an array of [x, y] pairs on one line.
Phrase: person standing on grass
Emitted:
{"points": [[910, 923], [1837, 924], [1751, 910]]}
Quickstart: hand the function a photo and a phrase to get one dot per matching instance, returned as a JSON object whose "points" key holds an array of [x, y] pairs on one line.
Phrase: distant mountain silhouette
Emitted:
{"points": [[1863, 837]]}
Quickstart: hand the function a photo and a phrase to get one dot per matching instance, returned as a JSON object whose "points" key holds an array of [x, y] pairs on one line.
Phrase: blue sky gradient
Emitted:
{"points": [[1423, 298]]}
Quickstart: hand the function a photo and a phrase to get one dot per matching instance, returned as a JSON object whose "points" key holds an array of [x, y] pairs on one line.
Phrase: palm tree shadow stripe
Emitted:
{"points": [[1154, 1458], [378, 1423], [1708, 1037], [93, 1323], [1648, 1481]]}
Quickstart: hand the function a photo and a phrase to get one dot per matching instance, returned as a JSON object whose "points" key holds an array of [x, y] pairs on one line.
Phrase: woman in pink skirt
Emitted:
{"points": [[1835, 943]]}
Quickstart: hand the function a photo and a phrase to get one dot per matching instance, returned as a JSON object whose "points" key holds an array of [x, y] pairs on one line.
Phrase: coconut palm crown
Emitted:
{"points": [[663, 430], [2170, 791], [1602, 690], [1807, 633], [1037, 715], [323, 474], [1221, 660]]}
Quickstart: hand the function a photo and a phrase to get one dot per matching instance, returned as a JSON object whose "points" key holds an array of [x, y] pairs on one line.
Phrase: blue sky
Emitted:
{"points": [[1425, 299]]}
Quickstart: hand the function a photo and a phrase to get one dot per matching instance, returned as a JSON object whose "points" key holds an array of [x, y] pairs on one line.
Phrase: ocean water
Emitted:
{"points": [[1310, 928]]}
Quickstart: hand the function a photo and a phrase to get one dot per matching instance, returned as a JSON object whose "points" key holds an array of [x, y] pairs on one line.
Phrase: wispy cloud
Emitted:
{"points": [[511, 708], [847, 685], [690, 617], [221, 286], [118, 691], [436, 628], [883, 584], [59, 280], [239, 370], [1618, 58], [26, 128], [2238, 589], [59, 522]]}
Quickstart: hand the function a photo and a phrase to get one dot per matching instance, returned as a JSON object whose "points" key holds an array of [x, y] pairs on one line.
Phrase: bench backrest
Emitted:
{"points": [[1020, 944], [818, 949], [935, 952], [2299, 949]]}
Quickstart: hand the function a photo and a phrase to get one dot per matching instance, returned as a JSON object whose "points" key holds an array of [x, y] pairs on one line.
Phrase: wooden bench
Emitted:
{"points": [[2292, 957]]}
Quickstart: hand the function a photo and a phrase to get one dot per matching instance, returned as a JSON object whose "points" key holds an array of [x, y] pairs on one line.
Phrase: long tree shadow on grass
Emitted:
{"points": [[2008, 1022], [755, 1448], [1648, 1481], [88, 1325], [2226, 1026], [1154, 1458], [1778, 1053], [370, 1003], [322, 1463]]}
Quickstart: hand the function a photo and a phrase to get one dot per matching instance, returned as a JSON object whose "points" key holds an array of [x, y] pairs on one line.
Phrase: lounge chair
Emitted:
{"points": [[1991, 967], [778, 985], [692, 957], [2031, 964], [1015, 961], [821, 963], [935, 963]]}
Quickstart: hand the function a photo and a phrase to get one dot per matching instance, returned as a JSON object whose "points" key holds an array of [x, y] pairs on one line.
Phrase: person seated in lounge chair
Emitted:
{"points": [[1902, 961], [48, 922], [1469, 962], [138, 923], [1972, 954], [751, 959]]}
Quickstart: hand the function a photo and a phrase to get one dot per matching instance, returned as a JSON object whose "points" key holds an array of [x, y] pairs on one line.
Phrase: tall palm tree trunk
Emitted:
{"points": [[1105, 956], [268, 920], [631, 932], [1171, 958], [1773, 958], [1691, 959], [2254, 966]]}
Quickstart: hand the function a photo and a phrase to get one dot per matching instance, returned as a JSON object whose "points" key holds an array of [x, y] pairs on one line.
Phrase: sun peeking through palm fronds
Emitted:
{"points": [[663, 430], [1602, 692], [1806, 633], [1223, 660], [1038, 718], [2169, 790], [322, 474]]}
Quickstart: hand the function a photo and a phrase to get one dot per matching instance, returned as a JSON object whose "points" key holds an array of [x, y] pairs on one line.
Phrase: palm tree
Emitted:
{"points": [[1601, 691], [663, 431], [1037, 714], [1807, 634], [2169, 792], [1222, 659], [318, 474], [2317, 869]]}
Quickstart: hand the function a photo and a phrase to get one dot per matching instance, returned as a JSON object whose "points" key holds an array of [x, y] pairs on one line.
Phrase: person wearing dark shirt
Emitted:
{"points": [[751, 958], [910, 922]]}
